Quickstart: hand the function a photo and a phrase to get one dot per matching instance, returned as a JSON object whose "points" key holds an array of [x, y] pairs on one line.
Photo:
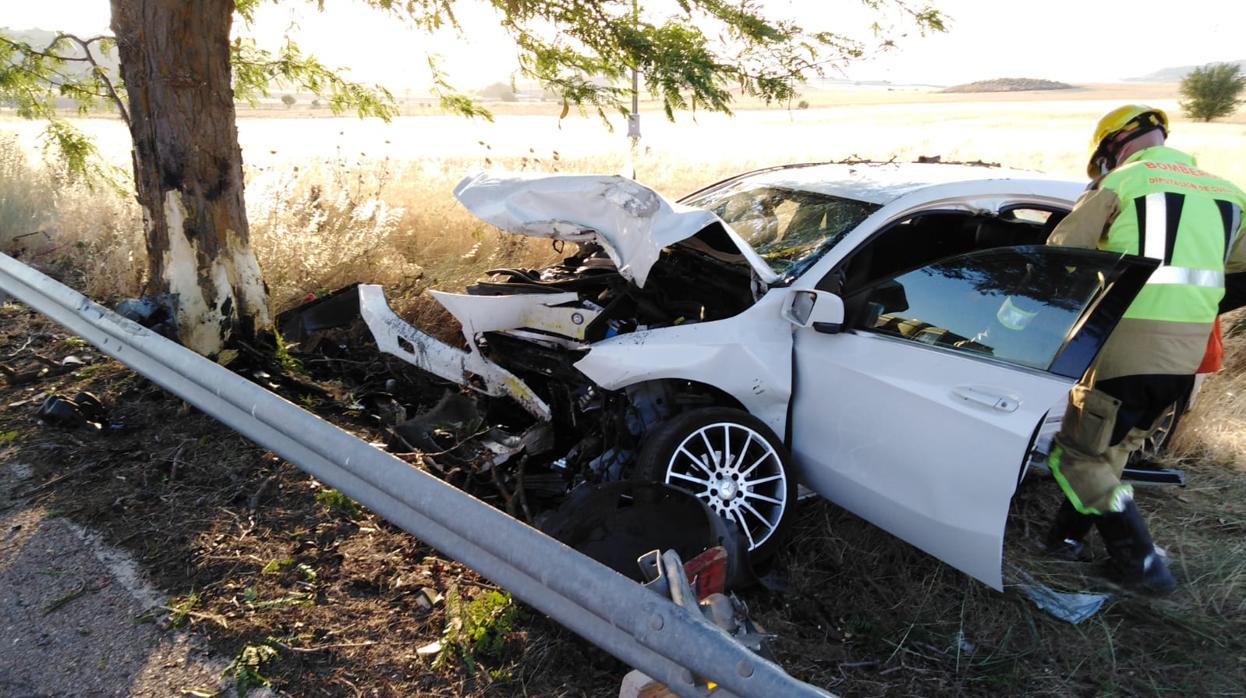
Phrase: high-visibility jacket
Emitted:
{"points": [[1157, 203], [1181, 216]]}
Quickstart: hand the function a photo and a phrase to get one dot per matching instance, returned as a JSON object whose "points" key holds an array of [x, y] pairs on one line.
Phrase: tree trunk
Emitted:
{"points": [[188, 166]]}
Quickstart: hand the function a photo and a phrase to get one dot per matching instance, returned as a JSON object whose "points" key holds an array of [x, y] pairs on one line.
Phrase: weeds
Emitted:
{"points": [[478, 629], [335, 502], [251, 596], [181, 609], [275, 567], [283, 356], [319, 229], [27, 197], [245, 668]]}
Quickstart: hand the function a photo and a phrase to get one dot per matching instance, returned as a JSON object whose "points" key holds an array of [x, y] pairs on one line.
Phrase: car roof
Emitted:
{"points": [[882, 183]]}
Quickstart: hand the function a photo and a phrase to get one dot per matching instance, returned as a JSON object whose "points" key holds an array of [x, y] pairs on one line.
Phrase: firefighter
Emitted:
{"points": [[1150, 200]]}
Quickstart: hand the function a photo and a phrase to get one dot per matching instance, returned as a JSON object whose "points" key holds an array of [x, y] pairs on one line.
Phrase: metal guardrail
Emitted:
{"points": [[638, 626]]}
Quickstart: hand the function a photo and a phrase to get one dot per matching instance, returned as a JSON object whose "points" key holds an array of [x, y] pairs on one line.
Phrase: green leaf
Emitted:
{"points": [[256, 71]]}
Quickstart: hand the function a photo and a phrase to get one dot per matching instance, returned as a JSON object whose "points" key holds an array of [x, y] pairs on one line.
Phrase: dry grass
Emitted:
{"points": [[1215, 430], [91, 238], [334, 222]]}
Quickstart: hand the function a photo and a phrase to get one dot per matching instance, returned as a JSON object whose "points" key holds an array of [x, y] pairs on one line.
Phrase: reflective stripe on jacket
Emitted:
{"points": [[1181, 216]]}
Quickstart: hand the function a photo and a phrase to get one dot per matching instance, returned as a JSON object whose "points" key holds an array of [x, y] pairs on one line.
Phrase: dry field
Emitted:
{"points": [[336, 200]]}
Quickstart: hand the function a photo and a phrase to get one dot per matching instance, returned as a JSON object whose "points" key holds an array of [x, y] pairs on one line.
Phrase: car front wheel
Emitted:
{"points": [[1161, 434], [733, 463]]}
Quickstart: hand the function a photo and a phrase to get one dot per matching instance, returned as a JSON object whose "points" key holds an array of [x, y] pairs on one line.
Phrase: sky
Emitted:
{"points": [[1070, 40]]}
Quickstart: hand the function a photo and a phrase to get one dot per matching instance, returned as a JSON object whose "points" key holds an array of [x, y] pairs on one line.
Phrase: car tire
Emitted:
{"points": [[1157, 442], [755, 488]]}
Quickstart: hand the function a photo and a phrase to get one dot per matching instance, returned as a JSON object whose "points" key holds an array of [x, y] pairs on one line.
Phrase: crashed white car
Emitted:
{"points": [[892, 336]]}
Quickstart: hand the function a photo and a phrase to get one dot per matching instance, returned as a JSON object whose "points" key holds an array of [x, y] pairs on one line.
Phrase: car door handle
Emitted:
{"points": [[987, 398]]}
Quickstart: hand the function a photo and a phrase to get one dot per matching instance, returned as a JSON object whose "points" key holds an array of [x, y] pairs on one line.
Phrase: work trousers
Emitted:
{"points": [[1105, 422]]}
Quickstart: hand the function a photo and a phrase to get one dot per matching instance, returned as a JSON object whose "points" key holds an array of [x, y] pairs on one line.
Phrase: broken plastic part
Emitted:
{"points": [[397, 337], [1069, 607], [158, 313], [83, 411], [454, 415], [547, 312]]}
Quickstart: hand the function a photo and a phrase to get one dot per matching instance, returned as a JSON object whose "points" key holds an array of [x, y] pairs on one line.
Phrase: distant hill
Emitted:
{"points": [[1009, 85], [1177, 73]]}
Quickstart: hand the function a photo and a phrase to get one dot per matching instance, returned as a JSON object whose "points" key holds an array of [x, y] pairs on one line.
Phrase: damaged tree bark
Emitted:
{"points": [[188, 166]]}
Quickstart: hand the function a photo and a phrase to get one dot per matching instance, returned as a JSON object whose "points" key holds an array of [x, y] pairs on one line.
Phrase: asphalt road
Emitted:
{"points": [[74, 613]]}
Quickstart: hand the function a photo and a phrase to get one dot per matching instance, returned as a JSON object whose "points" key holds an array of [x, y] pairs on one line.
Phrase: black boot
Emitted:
{"points": [[1068, 532], [1135, 562]]}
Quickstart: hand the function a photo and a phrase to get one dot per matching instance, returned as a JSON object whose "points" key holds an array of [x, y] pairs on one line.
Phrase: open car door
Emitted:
{"points": [[918, 414]]}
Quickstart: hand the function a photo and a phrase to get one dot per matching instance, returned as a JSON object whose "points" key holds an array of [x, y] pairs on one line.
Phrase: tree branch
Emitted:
{"points": [[102, 74]]}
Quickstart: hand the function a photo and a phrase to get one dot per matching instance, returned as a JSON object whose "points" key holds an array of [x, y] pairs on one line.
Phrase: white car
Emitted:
{"points": [[893, 336]]}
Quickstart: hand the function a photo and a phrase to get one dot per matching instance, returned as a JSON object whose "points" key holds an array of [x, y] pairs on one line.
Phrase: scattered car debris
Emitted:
{"points": [[665, 573], [36, 367], [303, 325], [1067, 606], [83, 411], [430, 650], [157, 312], [427, 598], [1150, 473]]}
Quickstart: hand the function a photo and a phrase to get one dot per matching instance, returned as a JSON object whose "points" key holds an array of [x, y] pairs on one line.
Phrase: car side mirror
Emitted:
{"points": [[822, 311]]}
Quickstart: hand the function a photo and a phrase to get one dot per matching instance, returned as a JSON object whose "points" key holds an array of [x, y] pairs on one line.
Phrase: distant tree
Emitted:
{"points": [[181, 72], [499, 91], [1212, 91], [802, 104], [288, 100], [315, 104]]}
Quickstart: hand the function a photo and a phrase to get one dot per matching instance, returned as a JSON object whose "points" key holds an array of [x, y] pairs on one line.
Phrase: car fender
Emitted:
{"points": [[748, 356]]}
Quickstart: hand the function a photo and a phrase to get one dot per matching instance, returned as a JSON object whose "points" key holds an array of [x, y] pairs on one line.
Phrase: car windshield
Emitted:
{"points": [[789, 228]]}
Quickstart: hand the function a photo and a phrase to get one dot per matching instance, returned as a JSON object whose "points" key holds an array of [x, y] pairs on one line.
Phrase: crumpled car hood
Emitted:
{"points": [[629, 220]]}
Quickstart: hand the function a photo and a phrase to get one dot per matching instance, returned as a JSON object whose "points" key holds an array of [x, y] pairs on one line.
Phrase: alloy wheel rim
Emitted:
{"points": [[737, 473], [1155, 441]]}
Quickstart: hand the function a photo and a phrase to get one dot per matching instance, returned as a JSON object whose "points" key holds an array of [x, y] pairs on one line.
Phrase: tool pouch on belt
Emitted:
{"points": [[1090, 419]]}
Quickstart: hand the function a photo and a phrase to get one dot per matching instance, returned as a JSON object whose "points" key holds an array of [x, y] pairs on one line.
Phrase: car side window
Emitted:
{"points": [[1013, 304]]}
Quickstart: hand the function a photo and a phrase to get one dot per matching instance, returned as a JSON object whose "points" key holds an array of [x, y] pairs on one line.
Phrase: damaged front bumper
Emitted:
{"points": [[466, 367], [558, 319]]}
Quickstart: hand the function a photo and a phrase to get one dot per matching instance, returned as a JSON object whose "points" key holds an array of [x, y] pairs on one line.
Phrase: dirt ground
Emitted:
{"points": [[299, 588]]}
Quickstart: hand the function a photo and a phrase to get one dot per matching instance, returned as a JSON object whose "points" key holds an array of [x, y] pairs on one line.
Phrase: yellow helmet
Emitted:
{"points": [[1131, 117]]}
